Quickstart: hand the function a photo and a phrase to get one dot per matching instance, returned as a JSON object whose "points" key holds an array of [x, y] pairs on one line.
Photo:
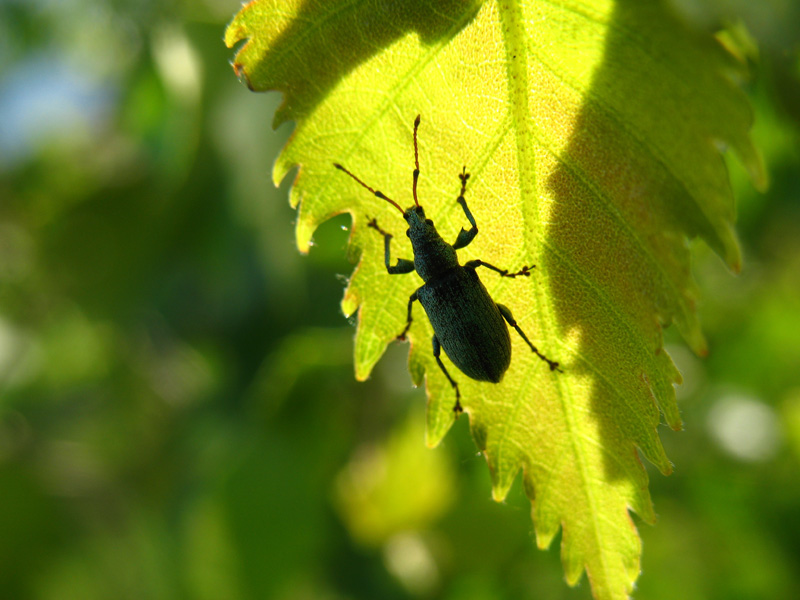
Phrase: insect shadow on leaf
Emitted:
{"points": [[467, 323]]}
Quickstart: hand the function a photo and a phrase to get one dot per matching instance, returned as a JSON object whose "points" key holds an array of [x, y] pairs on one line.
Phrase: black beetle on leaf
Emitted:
{"points": [[467, 323]]}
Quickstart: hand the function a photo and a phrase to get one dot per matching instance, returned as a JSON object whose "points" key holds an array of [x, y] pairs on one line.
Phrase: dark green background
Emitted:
{"points": [[178, 414]]}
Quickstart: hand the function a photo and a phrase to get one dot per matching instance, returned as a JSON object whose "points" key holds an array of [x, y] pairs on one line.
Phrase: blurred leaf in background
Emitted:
{"points": [[178, 415]]}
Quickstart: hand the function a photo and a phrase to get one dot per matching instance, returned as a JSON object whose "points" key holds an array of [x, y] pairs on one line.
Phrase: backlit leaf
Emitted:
{"points": [[593, 133]]}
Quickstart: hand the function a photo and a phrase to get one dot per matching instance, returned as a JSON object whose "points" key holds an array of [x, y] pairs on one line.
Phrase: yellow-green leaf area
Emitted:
{"points": [[592, 132]]}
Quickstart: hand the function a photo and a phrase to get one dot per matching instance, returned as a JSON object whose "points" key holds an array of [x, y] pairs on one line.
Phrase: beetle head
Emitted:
{"points": [[420, 229], [418, 225]]}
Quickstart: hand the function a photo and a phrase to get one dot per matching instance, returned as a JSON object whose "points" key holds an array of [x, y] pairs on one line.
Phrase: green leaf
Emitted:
{"points": [[593, 132]]}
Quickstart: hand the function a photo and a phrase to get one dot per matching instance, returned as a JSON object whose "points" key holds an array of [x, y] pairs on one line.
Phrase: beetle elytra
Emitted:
{"points": [[467, 323]]}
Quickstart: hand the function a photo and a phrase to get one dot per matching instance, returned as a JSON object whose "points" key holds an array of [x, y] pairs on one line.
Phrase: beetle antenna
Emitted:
{"points": [[378, 193], [416, 160]]}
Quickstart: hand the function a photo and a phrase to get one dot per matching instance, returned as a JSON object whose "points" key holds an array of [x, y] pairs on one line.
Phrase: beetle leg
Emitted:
{"points": [[403, 265], [437, 349], [474, 264], [465, 237], [510, 319], [411, 299]]}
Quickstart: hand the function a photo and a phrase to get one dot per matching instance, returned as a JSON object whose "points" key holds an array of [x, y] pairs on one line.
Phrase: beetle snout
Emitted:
{"points": [[414, 215], [415, 212]]}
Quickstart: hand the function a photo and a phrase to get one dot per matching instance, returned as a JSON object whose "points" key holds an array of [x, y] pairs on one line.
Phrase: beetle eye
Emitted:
{"points": [[429, 222]]}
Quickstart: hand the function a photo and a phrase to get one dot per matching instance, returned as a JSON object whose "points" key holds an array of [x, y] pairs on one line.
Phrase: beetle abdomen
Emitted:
{"points": [[468, 324]]}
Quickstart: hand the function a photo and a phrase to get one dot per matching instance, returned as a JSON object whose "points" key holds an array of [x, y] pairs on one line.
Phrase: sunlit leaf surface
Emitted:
{"points": [[592, 131]]}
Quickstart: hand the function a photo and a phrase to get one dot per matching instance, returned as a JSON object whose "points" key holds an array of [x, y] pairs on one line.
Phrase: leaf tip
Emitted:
{"points": [[434, 436], [733, 256], [350, 302], [503, 478], [233, 34], [499, 494], [303, 234], [666, 469], [241, 75], [699, 345], [236, 31], [733, 252], [758, 171], [438, 424]]}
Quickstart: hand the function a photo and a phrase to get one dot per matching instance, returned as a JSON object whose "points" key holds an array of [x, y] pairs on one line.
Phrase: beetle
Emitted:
{"points": [[467, 323]]}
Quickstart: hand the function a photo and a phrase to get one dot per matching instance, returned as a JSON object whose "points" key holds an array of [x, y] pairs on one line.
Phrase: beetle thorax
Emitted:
{"points": [[432, 255]]}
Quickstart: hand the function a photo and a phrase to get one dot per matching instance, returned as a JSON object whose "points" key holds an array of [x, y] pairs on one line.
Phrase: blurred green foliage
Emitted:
{"points": [[178, 413]]}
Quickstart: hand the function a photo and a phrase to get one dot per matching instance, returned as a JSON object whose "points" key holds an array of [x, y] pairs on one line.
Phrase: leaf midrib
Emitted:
{"points": [[517, 53]]}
